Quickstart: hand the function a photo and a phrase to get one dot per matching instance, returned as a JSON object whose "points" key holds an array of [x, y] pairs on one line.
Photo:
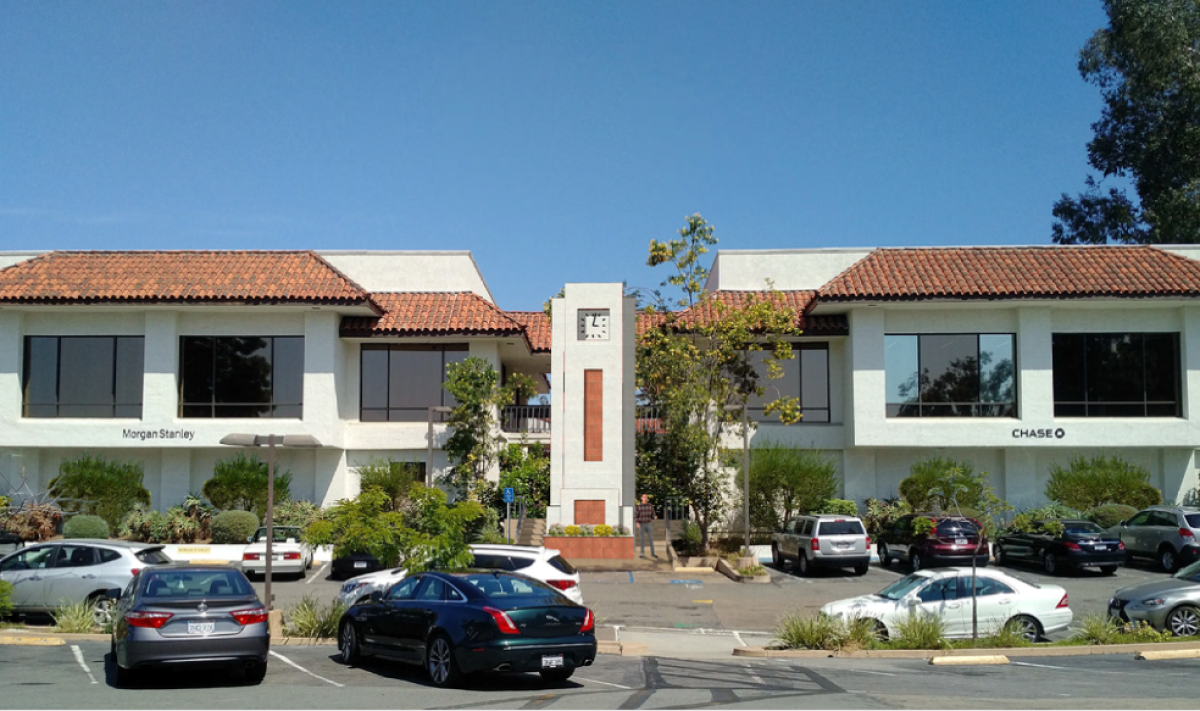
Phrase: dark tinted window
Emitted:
{"points": [[433, 590], [950, 375], [83, 376], [807, 527], [400, 383], [559, 563], [153, 557], [520, 591], [840, 528], [956, 528], [493, 561], [108, 556], [242, 376], [404, 589], [32, 559], [1162, 518], [983, 586], [1193, 519], [805, 377], [944, 589], [1082, 528], [195, 583], [1116, 375], [74, 556]]}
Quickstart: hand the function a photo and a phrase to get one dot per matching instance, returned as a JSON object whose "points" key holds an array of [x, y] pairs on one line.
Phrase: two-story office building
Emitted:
{"points": [[1012, 358]]}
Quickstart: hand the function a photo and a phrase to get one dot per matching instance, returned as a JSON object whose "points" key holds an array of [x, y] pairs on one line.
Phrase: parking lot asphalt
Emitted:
{"points": [[79, 675]]}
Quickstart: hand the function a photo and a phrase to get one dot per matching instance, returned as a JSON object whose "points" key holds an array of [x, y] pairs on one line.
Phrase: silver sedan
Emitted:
{"points": [[1169, 604]]}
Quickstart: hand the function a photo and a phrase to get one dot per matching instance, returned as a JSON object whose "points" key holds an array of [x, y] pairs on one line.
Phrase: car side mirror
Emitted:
{"points": [[113, 593], [249, 539], [912, 601], [376, 596], [1123, 524]]}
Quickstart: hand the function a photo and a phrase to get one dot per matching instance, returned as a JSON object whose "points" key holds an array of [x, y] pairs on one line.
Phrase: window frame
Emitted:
{"points": [[58, 404], [975, 407], [755, 414], [1087, 404], [446, 399], [214, 403]]}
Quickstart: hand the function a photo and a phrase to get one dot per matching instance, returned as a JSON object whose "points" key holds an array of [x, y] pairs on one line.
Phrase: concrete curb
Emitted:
{"points": [[1156, 655], [1080, 651], [623, 649], [303, 642], [49, 633], [968, 661]]}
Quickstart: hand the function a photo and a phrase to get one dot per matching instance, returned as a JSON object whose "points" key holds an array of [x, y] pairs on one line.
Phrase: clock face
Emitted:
{"points": [[593, 324]]}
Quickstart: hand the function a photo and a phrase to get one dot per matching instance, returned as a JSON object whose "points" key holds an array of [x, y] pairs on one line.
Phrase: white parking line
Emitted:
{"points": [[606, 683], [1048, 666], [315, 676], [741, 641], [79, 658], [314, 577]]}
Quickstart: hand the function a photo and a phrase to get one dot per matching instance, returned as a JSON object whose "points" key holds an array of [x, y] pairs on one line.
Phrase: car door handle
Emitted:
{"points": [[89, 576], [35, 577], [954, 606], [1005, 602]]}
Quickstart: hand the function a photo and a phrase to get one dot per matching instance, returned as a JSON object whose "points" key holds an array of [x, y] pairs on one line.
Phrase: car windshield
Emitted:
{"points": [[282, 534], [1083, 528], [903, 586], [1190, 573]]}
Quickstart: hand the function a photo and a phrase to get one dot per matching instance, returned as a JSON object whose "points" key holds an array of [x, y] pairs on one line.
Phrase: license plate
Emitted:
{"points": [[960, 541], [1101, 548], [360, 564], [201, 627], [551, 661]]}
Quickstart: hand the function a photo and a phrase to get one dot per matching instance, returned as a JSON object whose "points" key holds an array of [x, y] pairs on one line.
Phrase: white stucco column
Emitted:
{"points": [[160, 396], [321, 359], [333, 479], [12, 350], [1189, 356], [867, 392], [1035, 364], [1020, 479], [858, 474], [175, 476]]}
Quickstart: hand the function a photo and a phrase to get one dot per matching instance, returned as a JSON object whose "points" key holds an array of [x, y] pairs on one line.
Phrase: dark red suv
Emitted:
{"points": [[952, 542]]}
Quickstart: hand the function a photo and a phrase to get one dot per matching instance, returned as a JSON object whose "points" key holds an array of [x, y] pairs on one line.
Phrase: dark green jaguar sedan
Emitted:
{"points": [[457, 623]]}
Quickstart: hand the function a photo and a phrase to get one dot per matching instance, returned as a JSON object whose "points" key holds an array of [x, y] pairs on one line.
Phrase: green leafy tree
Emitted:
{"points": [[526, 469], [474, 441], [1146, 64], [108, 489], [700, 361], [785, 481], [240, 484], [395, 479]]}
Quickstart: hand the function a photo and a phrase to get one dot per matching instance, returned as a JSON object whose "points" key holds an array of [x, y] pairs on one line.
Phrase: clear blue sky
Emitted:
{"points": [[552, 139]]}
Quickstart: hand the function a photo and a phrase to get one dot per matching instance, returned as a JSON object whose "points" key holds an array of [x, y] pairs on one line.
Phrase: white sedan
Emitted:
{"points": [[290, 556], [1035, 610]]}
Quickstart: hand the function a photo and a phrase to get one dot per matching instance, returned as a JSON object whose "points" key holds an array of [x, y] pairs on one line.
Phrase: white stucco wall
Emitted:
{"points": [[788, 269], [411, 271]]}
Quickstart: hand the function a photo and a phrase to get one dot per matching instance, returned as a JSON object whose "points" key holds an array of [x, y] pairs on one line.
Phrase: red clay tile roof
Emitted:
{"points": [[178, 277], [452, 313], [537, 328], [1015, 273], [801, 301]]}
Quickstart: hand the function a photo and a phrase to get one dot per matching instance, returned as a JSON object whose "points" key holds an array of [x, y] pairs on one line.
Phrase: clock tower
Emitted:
{"points": [[593, 332]]}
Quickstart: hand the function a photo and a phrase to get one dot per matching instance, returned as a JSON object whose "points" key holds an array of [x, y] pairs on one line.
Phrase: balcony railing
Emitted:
{"points": [[534, 419]]}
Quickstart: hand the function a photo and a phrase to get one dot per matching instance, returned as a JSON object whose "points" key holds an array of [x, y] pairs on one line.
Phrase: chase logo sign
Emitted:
{"points": [[1045, 433]]}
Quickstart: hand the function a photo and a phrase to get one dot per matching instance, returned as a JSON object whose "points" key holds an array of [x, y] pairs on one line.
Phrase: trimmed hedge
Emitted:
{"points": [[233, 526], [839, 507], [1110, 515], [85, 526], [1091, 482]]}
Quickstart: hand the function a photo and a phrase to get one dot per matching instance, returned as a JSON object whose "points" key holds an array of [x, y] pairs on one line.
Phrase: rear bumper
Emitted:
{"points": [[1056, 621], [142, 650], [504, 656], [1082, 559], [944, 560], [283, 567], [840, 561]]}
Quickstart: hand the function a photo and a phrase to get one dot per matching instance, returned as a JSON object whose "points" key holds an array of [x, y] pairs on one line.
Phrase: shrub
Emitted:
{"points": [[106, 489], [74, 618], [1006, 636], [604, 531], [919, 631], [526, 469], [240, 484], [35, 523], [84, 526], [840, 507], [881, 513], [6, 606], [1109, 515], [1097, 628], [1053, 510], [691, 542], [188, 522], [233, 526], [1090, 482], [751, 571], [297, 513], [809, 630], [785, 481], [944, 484], [308, 618], [392, 478], [573, 530]]}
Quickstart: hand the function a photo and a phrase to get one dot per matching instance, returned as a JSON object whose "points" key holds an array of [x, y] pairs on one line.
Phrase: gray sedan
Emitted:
{"points": [[183, 614], [48, 575], [1170, 604]]}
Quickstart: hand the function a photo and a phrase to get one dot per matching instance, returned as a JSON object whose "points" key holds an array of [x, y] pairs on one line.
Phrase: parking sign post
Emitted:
{"points": [[509, 496]]}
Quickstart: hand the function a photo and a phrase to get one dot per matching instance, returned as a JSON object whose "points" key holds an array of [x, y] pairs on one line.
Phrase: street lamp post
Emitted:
{"points": [[270, 442], [429, 435], [745, 464]]}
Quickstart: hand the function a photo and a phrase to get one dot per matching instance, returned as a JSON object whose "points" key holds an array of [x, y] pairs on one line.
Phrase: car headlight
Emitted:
{"points": [[351, 586], [1153, 602]]}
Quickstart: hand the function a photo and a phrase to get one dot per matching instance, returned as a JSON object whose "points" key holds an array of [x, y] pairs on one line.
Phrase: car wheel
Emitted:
{"points": [[1001, 555], [879, 630], [862, 569], [1166, 559], [439, 662], [885, 557], [1049, 563], [256, 673], [557, 674], [1184, 621], [348, 643], [775, 556], [914, 559], [803, 567], [122, 676], [102, 608], [1026, 626], [1108, 569]]}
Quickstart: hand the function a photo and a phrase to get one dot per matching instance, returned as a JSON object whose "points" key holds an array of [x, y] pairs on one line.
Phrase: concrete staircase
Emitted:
{"points": [[533, 532]]}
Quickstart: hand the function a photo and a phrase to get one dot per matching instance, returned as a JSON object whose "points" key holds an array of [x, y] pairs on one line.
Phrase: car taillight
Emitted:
{"points": [[562, 584], [1186, 533], [868, 541], [150, 620], [503, 621], [135, 571], [291, 556], [251, 556], [250, 617], [1120, 546], [816, 544], [1063, 602], [589, 622], [1071, 546]]}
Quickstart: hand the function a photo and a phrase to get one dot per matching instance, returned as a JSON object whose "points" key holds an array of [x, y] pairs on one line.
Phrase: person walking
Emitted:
{"points": [[643, 516]]}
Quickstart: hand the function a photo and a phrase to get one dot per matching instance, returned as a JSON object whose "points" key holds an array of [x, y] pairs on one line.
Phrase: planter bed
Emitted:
{"points": [[592, 547]]}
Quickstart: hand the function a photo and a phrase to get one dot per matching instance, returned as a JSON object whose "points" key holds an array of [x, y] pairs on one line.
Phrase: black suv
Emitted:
{"points": [[952, 542]]}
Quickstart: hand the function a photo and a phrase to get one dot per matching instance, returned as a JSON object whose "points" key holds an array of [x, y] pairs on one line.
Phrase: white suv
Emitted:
{"points": [[544, 564]]}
